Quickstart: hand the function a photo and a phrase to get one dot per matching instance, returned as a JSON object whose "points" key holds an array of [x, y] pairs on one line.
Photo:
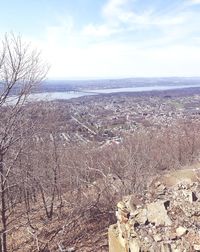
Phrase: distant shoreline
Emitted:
{"points": [[141, 91], [105, 84]]}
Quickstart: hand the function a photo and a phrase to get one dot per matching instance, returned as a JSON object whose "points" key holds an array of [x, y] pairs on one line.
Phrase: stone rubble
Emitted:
{"points": [[164, 219]]}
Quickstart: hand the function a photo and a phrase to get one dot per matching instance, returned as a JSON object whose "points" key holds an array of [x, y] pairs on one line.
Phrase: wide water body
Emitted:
{"points": [[49, 96]]}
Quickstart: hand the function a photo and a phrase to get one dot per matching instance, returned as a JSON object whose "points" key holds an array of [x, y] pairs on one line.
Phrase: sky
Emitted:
{"points": [[91, 39]]}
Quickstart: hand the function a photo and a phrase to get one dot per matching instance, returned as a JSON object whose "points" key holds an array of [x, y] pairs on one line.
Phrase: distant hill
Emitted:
{"points": [[67, 85]]}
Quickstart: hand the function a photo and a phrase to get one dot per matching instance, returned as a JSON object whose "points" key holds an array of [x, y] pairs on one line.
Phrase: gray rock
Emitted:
{"points": [[180, 231], [134, 245], [157, 214], [141, 217], [196, 247]]}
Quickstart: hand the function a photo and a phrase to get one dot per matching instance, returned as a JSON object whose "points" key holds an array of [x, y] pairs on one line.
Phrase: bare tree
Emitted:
{"points": [[21, 70]]}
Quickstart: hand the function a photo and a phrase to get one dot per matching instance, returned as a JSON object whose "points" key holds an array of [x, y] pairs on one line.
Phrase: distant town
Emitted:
{"points": [[105, 118]]}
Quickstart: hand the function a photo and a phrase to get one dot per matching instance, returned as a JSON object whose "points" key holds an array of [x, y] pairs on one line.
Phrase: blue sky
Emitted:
{"points": [[109, 38]]}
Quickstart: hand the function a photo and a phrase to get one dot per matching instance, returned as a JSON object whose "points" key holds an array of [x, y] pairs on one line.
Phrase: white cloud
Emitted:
{"points": [[123, 60], [123, 11], [120, 16], [94, 51], [98, 31], [194, 1], [114, 8], [61, 32]]}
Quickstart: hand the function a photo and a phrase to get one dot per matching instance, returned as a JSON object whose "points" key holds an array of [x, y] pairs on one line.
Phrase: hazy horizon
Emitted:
{"points": [[122, 78]]}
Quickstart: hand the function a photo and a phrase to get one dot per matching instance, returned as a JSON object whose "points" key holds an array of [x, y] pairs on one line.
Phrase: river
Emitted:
{"points": [[49, 96]]}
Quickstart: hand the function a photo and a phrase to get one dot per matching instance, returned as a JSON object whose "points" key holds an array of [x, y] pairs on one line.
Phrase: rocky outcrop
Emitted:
{"points": [[165, 218]]}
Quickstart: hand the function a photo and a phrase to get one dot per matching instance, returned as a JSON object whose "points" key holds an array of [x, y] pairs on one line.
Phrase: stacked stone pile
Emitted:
{"points": [[164, 219]]}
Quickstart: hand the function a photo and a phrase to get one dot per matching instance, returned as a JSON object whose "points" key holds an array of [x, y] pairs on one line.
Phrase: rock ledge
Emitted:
{"points": [[164, 219]]}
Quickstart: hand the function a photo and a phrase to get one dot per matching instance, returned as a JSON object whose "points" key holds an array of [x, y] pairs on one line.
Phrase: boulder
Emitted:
{"points": [[157, 214], [180, 231]]}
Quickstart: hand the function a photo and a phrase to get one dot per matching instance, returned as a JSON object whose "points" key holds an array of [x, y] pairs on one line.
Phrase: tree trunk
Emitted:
{"points": [[3, 209]]}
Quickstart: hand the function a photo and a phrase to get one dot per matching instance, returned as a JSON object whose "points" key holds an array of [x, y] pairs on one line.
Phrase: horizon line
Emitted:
{"points": [[119, 78]]}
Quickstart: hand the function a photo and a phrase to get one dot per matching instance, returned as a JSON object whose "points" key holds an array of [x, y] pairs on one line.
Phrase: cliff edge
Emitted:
{"points": [[166, 218]]}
